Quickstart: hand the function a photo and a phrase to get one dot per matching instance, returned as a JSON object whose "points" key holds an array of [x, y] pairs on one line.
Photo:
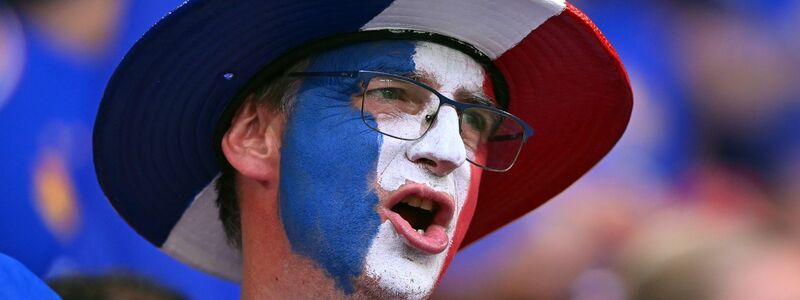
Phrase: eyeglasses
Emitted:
{"points": [[493, 137]]}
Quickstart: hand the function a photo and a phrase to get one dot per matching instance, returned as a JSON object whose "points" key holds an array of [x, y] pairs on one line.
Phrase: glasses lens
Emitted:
{"points": [[493, 139], [406, 108]]}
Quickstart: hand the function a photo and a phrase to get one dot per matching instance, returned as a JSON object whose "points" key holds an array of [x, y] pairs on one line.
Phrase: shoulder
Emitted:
{"points": [[17, 282]]}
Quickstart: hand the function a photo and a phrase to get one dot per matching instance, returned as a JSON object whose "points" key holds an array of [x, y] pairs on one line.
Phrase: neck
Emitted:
{"points": [[288, 277], [271, 270]]}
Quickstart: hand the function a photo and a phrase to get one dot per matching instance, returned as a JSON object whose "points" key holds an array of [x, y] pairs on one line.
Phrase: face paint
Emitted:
{"points": [[394, 260], [328, 159], [338, 176]]}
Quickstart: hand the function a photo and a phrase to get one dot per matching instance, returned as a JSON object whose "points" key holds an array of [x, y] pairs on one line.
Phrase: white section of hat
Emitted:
{"points": [[199, 240], [491, 26]]}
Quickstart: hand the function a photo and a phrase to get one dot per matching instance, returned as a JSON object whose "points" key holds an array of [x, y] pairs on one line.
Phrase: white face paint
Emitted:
{"points": [[396, 267]]}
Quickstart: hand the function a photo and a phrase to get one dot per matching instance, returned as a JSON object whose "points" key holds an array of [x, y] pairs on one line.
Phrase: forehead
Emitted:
{"points": [[442, 67], [447, 69]]}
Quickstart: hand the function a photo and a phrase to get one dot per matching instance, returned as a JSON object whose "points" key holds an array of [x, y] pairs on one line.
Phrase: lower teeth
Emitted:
{"points": [[420, 231]]}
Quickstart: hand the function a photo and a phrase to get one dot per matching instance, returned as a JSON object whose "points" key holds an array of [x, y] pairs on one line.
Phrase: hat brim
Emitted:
{"points": [[155, 128]]}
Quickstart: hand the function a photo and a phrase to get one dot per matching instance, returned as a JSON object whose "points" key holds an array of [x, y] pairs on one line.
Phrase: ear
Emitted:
{"points": [[252, 143]]}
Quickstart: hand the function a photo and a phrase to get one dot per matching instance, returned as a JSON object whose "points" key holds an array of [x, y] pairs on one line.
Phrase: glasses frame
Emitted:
{"points": [[443, 100]]}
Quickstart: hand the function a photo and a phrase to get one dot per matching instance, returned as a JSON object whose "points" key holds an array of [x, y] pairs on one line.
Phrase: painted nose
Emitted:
{"points": [[441, 150]]}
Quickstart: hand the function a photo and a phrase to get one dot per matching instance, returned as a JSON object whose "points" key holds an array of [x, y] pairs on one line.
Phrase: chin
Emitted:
{"points": [[395, 270], [419, 214]]}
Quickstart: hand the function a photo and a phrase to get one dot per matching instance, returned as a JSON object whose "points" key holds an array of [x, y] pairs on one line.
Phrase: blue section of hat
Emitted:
{"points": [[153, 140]]}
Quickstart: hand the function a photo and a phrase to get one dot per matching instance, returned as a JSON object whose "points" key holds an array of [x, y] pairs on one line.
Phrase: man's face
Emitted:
{"points": [[374, 212]]}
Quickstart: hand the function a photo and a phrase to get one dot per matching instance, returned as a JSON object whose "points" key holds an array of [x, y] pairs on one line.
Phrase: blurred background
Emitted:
{"points": [[700, 199]]}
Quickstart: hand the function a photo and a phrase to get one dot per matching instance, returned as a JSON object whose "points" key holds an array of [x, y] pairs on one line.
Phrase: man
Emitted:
{"points": [[352, 137]]}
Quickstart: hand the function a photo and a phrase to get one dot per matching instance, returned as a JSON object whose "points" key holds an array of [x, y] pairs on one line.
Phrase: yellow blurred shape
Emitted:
{"points": [[55, 196]]}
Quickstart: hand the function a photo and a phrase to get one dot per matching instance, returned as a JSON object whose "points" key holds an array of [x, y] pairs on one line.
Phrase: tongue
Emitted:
{"points": [[433, 241]]}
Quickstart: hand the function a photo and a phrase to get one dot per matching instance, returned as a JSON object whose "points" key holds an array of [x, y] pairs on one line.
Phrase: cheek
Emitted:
{"points": [[328, 162], [465, 217], [327, 205], [479, 155]]}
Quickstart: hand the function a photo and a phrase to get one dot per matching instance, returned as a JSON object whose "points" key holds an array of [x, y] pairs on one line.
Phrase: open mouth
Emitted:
{"points": [[420, 215], [417, 212]]}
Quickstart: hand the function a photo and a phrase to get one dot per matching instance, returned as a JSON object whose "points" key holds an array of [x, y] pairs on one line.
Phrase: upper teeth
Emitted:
{"points": [[420, 203]]}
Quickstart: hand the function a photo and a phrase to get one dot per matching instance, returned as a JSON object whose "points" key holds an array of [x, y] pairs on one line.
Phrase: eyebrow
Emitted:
{"points": [[461, 95], [421, 77], [474, 97]]}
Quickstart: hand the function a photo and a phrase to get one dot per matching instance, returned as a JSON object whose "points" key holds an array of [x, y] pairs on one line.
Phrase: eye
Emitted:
{"points": [[387, 94], [474, 120]]}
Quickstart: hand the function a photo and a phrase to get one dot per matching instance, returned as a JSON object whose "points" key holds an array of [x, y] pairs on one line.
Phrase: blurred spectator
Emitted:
{"points": [[569, 238], [58, 221], [788, 185], [762, 269], [741, 77], [12, 53], [86, 29], [664, 134], [45, 130], [113, 286], [690, 255]]}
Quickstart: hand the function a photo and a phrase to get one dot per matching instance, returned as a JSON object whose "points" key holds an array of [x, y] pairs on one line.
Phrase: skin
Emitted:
{"points": [[295, 219]]}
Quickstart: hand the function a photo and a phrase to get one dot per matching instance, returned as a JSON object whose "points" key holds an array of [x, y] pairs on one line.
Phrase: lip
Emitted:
{"points": [[435, 238]]}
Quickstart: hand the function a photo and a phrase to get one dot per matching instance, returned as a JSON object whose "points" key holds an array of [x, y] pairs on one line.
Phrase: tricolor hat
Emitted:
{"points": [[160, 117]]}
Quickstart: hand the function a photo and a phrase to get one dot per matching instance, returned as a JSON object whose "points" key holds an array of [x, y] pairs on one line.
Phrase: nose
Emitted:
{"points": [[441, 150]]}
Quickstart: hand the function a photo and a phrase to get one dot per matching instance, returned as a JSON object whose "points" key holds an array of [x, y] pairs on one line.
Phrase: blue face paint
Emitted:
{"points": [[328, 162]]}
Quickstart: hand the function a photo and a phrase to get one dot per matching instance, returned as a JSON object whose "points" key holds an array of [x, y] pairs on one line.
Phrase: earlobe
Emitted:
{"points": [[252, 143]]}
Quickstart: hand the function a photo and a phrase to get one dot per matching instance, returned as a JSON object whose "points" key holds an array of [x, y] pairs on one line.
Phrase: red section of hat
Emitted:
{"points": [[567, 82]]}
